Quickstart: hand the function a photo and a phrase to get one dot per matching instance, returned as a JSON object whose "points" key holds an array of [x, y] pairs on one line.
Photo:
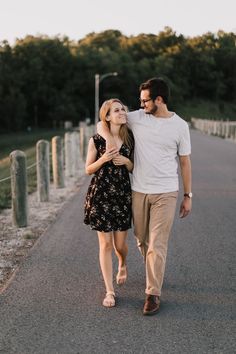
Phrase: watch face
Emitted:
{"points": [[189, 195]]}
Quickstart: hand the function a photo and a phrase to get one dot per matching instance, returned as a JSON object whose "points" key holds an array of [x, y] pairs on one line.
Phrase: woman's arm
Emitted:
{"points": [[92, 165]]}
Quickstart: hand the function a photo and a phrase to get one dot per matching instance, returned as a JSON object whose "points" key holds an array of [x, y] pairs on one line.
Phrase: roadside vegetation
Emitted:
{"points": [[46, 81], [207, 110]]}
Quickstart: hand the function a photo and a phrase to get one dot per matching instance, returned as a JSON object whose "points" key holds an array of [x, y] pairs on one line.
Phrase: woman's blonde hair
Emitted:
{"points": [[124, 133]]}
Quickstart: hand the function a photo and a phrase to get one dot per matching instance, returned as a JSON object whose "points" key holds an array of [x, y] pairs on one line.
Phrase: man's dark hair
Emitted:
{"points": [[157, 87]]}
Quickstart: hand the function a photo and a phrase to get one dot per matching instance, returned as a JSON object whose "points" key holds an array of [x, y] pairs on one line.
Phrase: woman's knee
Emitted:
{"points": [[106, 246], [121, 248]]}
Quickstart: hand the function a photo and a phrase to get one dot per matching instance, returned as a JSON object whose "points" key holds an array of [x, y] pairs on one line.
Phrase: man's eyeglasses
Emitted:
{"points": [[145, 101]]}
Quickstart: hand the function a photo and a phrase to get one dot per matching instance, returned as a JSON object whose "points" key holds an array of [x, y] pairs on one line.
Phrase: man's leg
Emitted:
{"points": [[162, 214], [140, 213]]}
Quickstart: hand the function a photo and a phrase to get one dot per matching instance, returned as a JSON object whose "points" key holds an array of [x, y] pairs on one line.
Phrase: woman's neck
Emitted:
{"points": [[114, 130]]}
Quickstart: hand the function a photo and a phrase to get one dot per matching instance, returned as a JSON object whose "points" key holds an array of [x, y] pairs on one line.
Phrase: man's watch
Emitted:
{"points": [[189, 195]]}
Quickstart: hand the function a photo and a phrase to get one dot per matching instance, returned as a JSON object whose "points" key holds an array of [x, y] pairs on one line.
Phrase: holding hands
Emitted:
{"points": [[119, 160], [113, 154], [109, 154]]}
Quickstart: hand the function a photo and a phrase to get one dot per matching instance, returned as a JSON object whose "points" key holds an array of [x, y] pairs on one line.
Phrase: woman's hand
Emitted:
{"points": [[109, 154], [119, 160]]}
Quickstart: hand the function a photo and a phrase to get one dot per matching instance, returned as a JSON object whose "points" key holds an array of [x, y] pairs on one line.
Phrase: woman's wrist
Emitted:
{"points": [[129, 164]]}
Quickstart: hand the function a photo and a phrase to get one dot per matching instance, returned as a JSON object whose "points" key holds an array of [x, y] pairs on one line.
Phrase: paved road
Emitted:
{"points": [[53, 303]]}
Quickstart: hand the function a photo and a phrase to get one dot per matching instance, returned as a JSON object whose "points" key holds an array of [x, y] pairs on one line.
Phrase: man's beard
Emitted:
{"points": [[153, 111]]}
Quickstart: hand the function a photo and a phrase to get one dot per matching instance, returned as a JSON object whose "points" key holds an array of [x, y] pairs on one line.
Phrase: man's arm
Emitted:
{"points": [[185, 166], [104, 131]]}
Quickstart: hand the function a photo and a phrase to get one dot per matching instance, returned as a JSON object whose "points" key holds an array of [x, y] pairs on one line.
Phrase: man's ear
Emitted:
{"points": [[159, 100]]}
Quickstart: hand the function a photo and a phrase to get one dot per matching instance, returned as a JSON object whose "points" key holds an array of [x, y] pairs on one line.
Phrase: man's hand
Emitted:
{"points": [[185, 207]]}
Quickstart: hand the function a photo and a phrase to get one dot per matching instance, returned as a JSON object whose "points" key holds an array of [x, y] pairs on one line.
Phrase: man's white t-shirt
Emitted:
{"points": [[158, 142]]}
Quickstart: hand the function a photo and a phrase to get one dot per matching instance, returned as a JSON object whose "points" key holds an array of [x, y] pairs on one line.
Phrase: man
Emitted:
{"points": [[160, 138]]}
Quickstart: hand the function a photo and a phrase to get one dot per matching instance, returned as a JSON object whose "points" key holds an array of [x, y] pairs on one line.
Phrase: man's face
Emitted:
{"points": [[147, 103]]}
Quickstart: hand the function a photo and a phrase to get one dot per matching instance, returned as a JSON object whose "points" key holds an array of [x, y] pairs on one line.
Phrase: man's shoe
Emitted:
{"points": [[151, 305]]}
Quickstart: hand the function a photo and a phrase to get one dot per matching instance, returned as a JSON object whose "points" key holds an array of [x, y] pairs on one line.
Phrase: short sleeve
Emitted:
{"points": [[184, 146], [133, 117]]}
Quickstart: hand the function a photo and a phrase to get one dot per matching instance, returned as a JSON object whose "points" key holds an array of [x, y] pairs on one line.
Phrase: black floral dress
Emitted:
{"points": [[108, 200]]}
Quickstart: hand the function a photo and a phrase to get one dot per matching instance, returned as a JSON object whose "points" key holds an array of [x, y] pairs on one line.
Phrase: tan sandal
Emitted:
{"points": [[109, 300], [121, 275]]}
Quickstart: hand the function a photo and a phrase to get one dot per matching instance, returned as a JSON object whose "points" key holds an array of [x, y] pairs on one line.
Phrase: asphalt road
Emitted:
{"points": [[53, 305]]}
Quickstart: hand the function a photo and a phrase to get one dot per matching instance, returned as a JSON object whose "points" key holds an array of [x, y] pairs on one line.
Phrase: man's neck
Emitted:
{"points": [[163, 112]]}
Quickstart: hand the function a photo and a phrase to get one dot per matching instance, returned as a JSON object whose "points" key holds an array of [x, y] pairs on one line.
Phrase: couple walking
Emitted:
{"points": [[146, 142]]}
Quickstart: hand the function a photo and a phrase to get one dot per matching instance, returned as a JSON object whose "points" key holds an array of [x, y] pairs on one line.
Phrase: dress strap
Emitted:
{"points": [[99, 141]]}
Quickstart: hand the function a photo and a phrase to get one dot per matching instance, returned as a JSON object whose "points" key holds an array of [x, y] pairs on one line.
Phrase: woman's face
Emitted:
{"points": [[117, 115]]}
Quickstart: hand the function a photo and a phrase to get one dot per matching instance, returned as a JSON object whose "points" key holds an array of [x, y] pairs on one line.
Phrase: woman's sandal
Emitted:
{"points": [[109, 300], [121, 275]]}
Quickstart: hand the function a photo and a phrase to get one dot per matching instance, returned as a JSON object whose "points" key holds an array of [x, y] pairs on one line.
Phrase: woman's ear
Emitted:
{"points": [[108, 118]]}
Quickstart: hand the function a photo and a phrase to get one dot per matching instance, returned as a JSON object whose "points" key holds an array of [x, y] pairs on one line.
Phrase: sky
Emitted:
{"points": [[77, 18]]}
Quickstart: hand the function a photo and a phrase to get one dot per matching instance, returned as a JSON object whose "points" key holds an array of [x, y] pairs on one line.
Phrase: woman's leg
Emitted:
{"points": [[121, 250], [105, 258]]}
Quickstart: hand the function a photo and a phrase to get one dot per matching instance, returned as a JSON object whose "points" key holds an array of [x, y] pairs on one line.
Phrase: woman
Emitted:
{"points": [[108, 201]]}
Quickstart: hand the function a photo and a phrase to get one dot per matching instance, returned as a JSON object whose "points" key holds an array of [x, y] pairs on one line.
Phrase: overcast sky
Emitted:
{"points": [[77, 18]]}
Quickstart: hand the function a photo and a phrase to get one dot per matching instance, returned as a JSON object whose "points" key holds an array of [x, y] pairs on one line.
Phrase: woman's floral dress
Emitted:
{"points": [[108, 200]]}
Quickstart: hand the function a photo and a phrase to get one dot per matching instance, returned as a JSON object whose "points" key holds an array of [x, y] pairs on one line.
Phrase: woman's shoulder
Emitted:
{"points": [[98, 140]]}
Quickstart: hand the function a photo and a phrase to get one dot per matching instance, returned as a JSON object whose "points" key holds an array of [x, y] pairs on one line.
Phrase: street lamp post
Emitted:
{"points": [[98, 79]]}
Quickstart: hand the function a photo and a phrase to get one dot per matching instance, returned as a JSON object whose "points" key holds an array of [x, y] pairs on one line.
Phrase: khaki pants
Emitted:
{"points": [[153, 216]]}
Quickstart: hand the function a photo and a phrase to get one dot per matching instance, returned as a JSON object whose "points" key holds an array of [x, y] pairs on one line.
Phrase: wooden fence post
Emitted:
{"points": [[69, 170], [220, 128], [43, 170], [82, 139], [78, 162], [58, 162], [88, 133], [19, 188]]}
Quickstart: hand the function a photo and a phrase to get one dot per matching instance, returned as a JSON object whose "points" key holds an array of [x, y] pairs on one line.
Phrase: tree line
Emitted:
{"points": [[45, 81]]}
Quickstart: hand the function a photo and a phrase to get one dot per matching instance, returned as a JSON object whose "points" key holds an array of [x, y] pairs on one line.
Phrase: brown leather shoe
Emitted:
{"points": [[151, 305]]}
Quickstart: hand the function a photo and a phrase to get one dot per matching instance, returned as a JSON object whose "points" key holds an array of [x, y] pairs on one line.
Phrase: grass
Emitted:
{"points": [[24, 140], [29, 235], [27, 143], [207, 110]]}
